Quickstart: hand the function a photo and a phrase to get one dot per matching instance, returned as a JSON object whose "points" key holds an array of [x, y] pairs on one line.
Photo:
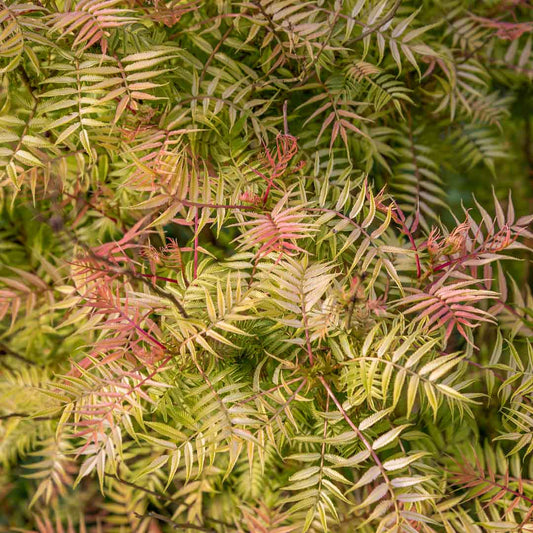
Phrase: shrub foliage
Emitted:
{"points": [[238, 290]]}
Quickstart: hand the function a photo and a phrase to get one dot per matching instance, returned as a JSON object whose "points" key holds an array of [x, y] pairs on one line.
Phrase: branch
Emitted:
{"points": [[27, 82], [6, 350], [27, 415], [126, 271], [379, 24], [363, 439]]}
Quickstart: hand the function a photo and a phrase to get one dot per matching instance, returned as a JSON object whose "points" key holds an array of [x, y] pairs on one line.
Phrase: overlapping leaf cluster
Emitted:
{"points": [[238, 291]]}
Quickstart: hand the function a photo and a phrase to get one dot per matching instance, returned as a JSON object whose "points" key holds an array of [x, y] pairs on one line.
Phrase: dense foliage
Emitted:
{"points": [[239, 290]]}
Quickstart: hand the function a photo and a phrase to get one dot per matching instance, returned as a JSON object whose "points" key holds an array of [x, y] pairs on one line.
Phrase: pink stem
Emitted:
{"points": [[195, 273]]}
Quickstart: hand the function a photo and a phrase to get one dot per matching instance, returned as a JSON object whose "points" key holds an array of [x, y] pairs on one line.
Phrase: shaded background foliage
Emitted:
{"points": [[212, 318]]}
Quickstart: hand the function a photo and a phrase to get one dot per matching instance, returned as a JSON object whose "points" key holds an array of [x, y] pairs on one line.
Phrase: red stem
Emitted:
{"points": [[195, 272], [360, 435]]}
